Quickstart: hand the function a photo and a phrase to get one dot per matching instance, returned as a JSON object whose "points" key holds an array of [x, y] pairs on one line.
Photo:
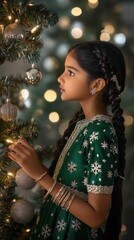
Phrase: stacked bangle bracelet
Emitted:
{"points": [[41, 176]]}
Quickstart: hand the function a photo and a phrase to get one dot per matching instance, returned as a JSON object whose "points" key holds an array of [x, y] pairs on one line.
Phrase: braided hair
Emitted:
{"points": [[105, 60]]}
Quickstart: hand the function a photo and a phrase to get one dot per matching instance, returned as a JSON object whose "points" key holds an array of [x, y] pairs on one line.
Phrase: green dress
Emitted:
{"points": [[88, 163]]}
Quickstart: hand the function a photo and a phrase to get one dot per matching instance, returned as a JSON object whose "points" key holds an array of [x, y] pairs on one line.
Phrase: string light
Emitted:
{"points": [[10, 174], [76, 11], [10, 141], [34, 29], [50, 95], [7, 220], [1, 28], [28, 230], [54, 117], [9, 17]]}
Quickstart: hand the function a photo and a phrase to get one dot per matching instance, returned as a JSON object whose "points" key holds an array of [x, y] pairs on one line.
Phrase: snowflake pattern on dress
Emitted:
{"points": [[113, 149], [85, 144], [46, 231], [104, 145], [94, 233], [72, 167], [85, 131], [74, 184], [93, 136], [95, 168], [61, 225], [76, 224], [110, 174]]}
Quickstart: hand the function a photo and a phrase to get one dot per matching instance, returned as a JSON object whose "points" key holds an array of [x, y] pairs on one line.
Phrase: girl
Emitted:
{"points": [[83, 186]]}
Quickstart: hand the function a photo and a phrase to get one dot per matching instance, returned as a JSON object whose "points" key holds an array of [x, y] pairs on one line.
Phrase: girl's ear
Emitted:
{"points": [[98, 84]]}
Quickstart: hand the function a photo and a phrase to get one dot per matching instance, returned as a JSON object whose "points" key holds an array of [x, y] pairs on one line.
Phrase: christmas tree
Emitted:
{"points": [[21, 25]]}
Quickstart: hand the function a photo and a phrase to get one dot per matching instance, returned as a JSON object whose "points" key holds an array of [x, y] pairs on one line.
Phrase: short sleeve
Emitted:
{"points": [[102, 158]]}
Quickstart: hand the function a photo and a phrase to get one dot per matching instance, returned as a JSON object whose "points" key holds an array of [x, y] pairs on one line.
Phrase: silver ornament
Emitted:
{"points": [[33, 75], [22, 211], [23, 180], [8, 111], [14, 31]]}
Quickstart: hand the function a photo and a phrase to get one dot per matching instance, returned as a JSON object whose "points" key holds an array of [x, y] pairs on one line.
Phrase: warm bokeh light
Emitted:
{"points": [[76, 33], [105, 36], [93, 3], [28, 230], [50, 95], [129, 120], [109, 28], [76, 11], [64, 22], [54, 117], [24, 94]]}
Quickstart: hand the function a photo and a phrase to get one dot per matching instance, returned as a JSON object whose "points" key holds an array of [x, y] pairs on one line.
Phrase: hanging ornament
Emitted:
{"points": [[23, 180], [22, 211], [33, 75], [8, 111], [15, 31]]}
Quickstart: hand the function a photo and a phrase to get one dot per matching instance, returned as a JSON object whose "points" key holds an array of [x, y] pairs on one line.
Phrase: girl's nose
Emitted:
{"points": [[60, 79]]}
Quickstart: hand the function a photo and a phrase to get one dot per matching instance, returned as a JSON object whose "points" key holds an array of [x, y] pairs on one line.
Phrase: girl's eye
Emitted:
{"points": [[71, 73]]}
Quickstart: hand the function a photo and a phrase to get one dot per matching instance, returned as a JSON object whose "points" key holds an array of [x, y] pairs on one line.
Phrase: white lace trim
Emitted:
{"points": [[70, 141], [99, 117], [100, 189], [79, 126]]}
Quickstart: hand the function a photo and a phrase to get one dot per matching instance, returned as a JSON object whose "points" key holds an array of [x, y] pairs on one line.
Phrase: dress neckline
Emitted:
{"points": [[99, 117]]}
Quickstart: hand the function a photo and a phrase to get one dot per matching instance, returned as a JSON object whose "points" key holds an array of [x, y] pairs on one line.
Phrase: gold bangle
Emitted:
{"points": [[41, 176], [49, 191], [70, 202]]}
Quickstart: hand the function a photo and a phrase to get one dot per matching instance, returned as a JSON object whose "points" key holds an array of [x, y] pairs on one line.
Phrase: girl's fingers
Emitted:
{"points": [[25, 143], [13, 156], [20, 149]]}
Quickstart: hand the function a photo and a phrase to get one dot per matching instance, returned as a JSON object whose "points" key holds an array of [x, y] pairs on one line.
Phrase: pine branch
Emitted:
{"points": [[29, 15], [25, 129], [28, 51]]}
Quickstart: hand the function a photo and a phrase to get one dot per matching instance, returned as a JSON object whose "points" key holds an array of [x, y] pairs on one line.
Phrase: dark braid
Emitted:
{"points": [[111, 94], [62, 141], [113, 228]]}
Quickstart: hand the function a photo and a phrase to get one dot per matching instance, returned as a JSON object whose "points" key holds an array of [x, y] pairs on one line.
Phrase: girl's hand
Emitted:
{"points": [[24, 154]]}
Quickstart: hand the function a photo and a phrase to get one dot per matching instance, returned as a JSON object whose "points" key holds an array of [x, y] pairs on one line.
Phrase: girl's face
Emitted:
{"points": [[74, 81]]}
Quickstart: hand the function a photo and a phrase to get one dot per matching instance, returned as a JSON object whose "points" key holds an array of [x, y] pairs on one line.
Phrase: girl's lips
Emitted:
{"points": [[62, 90]]}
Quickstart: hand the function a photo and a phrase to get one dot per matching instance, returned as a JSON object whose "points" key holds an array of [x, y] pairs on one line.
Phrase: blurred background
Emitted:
{"points": [[84, 20]]}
